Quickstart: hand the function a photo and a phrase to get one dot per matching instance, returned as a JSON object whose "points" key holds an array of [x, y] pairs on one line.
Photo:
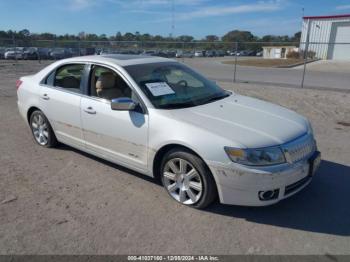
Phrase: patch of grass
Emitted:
{"points": [[261, 62]]}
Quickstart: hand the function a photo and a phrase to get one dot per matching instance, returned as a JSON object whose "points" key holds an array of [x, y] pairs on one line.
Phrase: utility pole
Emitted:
{"points": [[306, 51], [172, 18]]}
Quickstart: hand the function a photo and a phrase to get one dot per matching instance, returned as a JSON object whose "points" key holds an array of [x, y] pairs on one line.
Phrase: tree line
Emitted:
{"points": [[26, 38], [232, 36]]}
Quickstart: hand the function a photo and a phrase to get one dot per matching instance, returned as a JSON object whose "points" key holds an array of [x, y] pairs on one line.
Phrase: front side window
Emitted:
{"points": [[107, 84], [171, 85], [69, 77]]}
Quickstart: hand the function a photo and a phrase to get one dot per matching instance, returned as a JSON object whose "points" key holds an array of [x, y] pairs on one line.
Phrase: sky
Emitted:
{"points": [[191, 17]]}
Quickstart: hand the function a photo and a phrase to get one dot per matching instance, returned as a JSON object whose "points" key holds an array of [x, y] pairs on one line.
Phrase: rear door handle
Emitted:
{"points": [[90, 110], [45, 97]]}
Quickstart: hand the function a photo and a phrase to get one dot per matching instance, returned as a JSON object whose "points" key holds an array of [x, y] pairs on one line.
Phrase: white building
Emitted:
{"points": [[329, 36], [278, 51]]}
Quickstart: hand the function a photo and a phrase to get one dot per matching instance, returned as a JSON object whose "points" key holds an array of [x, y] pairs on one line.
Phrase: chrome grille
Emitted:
{"points": [[299, 148]]}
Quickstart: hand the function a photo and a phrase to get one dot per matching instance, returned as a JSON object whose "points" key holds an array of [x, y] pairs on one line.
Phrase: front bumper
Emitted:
{"points": [[240, 185]]}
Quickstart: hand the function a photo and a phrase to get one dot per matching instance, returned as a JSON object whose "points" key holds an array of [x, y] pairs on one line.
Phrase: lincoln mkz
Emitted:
{"points": [[160, 118]]}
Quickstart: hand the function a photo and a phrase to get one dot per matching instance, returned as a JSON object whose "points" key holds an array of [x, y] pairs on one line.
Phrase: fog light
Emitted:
{"points": [[268, 195]]}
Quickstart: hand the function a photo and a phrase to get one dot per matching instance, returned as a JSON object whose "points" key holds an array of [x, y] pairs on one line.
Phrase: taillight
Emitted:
{"points": [[18, 83]]}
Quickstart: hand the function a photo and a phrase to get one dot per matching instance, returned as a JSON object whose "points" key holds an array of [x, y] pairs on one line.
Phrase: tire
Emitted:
{"points": [[42, 130], [187, 179]]}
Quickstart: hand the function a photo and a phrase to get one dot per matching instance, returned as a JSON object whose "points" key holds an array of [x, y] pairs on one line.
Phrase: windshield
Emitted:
{"points": [[172, 85]]}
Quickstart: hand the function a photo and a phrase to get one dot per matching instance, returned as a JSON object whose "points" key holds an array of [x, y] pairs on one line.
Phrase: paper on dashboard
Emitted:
{"points": [[160, 89]]}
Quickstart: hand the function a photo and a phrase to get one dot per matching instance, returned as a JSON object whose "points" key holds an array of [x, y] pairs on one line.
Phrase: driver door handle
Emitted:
{"points": [[90, 110], [45, 97]]}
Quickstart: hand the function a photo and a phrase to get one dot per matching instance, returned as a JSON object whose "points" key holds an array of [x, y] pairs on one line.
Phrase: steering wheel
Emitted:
{"points": [[182, 83]]}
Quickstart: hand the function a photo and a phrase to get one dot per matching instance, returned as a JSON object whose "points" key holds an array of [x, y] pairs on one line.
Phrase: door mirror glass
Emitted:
{"points": [[123, 104]]}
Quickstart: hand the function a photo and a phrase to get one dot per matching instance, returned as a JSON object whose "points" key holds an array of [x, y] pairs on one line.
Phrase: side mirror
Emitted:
{"points": [[123, 104]]}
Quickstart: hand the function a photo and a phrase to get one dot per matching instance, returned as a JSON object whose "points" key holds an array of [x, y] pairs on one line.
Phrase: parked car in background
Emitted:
{"points": [[171, 53], [88, 51], [138, 51], [220, 53], [188, 54], [163, 119], [150, 52], [244, 53], [59, 53], [209, 53], [73, 52], [199, 53], [31, 53], [108, 51], [184, 54], [2, 52], [162, 53], [14, 53], [260, 53], [124, 51], [251, 53], [44, 53]]}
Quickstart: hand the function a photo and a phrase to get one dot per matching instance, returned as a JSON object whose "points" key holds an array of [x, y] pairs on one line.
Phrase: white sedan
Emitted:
{"points": [[162, 119]]}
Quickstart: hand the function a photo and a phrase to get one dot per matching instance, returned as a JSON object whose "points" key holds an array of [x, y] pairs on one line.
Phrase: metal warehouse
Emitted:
{"points": [[329, 36]]}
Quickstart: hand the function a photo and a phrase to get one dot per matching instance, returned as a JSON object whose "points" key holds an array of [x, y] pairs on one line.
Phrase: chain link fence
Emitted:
{"points": [[274, 63]]}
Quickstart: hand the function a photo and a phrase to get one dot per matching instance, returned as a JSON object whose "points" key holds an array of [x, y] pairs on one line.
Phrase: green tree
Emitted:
{"points": [[118, 36], [129, 37], [238, 36], [296, 37], [24, 32], [185, 38], [211, 38]]}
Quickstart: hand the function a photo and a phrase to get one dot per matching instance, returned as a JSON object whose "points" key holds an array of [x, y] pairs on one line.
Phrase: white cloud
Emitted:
{"points": [[80, 4], [222, 10], [156, 3], [261, 6], [184, 9], [132, 5], [342, 7]]}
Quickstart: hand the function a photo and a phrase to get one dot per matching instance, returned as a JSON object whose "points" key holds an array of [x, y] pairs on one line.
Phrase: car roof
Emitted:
{"points": [[119, 59]]}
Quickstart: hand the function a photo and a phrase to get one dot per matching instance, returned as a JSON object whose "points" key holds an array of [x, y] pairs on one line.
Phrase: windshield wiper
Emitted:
{"points": [[177, 105], [215, 98]]}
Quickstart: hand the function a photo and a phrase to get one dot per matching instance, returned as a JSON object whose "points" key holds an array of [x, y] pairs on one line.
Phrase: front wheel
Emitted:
{"points": [[187, 179], [42, 130]]}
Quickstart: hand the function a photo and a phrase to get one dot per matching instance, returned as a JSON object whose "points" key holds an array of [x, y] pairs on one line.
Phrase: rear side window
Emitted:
{"points": [[68, 77]]}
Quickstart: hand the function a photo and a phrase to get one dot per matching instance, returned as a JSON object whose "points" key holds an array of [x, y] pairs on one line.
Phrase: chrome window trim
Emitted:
{"points": [[42, 82], [124, 78], [90, 63]]}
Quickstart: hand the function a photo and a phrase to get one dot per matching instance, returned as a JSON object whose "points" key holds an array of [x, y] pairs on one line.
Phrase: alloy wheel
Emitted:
{"points": [[40, 129], [182, 181]]}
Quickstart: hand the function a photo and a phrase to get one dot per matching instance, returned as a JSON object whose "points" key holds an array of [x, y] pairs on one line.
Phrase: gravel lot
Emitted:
{"points": [[62, 201]]}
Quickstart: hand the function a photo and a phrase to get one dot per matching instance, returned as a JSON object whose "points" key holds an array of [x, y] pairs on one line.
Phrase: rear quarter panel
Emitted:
{"points": [[28, 95]]}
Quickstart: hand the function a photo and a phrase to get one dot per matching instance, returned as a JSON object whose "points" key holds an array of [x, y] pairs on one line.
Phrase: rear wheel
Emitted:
{"points": [[187, 179], [42, 130]]}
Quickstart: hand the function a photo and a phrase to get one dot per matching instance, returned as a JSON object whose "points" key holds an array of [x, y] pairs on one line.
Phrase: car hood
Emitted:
{"points": [[245, 121]]}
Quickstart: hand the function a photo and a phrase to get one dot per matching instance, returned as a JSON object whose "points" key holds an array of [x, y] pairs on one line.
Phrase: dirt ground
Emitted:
{"points": [[62, 201]]}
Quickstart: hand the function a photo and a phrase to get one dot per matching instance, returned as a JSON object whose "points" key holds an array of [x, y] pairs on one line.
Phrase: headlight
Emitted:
{"points": [[256, 157]]}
